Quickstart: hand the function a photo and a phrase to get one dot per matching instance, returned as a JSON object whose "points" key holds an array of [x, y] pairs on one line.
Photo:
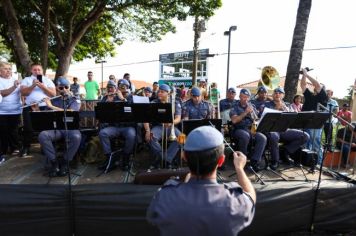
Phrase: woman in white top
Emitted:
{"points": [[10, 110]]}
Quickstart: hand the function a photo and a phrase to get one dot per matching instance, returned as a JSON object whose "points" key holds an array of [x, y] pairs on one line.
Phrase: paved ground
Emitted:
{"points": [[30, 170]]}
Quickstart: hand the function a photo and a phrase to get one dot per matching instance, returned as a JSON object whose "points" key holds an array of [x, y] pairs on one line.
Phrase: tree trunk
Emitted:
{"points": [[15, 34], [296, 52], [64, 61], [195, 51], [46, 27]]}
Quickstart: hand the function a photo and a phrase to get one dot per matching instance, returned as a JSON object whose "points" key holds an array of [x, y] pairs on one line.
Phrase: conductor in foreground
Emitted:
{"points": [[209, 208]]}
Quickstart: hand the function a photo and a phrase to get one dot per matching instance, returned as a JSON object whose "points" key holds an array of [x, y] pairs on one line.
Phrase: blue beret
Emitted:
{"points": [[195, 91], [111, 84], [203, 138], [62, 81], [124, 82], [165, 87], [246, 92], [262, 89], [148, 89], [279, 90], [231, 90]]}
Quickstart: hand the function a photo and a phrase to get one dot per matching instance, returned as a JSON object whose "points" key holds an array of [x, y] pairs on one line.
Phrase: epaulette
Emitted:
{"points": [[233, 187], [171, 183]]}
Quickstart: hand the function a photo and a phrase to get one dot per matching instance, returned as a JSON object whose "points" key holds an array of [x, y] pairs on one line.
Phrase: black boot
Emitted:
{"points": [[109, 164], [125, 162], [63, 168], [25, 151], [255, 165], [54, 169]]}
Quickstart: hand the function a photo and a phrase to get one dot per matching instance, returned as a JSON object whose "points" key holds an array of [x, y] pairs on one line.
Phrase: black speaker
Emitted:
{"points": [[309, 158]]}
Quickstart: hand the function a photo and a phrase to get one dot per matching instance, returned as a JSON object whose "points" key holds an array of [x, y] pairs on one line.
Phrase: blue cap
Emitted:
{"points": [[278, 90], [62, 81], [165, 87], [124, 82], [111, 84], [148, 89], [195, 91], [245, 92], [262, 89], [231, 90], [203, 138], [155, 82]]}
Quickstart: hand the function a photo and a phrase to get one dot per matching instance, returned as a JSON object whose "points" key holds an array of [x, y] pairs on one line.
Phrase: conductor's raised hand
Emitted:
{"points": [[239, 160]]}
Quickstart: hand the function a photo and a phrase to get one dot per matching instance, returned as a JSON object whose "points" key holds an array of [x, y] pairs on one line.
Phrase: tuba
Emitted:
{"points": [[269, 78]]}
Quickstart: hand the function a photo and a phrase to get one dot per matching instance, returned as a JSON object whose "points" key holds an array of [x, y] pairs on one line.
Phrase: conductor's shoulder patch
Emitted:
{"points": [[171, 183], [233, 187]]}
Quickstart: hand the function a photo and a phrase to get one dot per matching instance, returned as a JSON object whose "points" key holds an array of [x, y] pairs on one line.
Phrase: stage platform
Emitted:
{"points": [[33, 204]]}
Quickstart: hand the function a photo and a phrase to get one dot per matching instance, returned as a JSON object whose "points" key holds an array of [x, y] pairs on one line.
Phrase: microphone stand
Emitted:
{"points": [[317, 190], [71, 202]]}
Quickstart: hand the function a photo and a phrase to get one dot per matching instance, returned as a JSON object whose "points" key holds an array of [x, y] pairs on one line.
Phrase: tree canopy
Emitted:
{"points": [[54, 33]]}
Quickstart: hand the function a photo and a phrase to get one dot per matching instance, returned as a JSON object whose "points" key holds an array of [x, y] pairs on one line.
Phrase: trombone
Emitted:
{"points": [[172, 136]]}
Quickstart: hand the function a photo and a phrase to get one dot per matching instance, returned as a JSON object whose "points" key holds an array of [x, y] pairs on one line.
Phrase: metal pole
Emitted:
{"points": [[228, 63], [228, 33]]}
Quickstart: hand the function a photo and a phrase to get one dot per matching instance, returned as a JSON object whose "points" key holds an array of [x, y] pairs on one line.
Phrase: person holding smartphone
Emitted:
{"points": [[35, 89]]}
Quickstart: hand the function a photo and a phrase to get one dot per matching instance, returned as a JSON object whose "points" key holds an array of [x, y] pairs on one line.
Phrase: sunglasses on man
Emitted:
{"points": [[63, 87]]}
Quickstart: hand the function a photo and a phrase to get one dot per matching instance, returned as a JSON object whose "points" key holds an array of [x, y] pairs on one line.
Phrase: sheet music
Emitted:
{"points": [[140, 99], [268, 110]]}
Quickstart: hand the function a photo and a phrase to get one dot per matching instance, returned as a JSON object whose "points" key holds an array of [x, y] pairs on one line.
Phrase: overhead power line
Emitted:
{"points": [[225, 53]]}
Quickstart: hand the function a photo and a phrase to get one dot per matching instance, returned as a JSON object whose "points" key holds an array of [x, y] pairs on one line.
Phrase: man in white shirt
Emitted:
{"points": [[35, 89], [10, 111]]}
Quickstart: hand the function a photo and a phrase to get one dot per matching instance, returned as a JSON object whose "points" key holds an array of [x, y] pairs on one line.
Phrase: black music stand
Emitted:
{"points": [[189, 125], [276, 122], [309, 120], [54, 120], [114, 112], [118, 112]]}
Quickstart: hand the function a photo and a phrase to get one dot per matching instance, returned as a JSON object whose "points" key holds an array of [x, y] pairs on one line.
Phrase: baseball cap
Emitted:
{"points": [[231, 90], [346, 105], [262, 89], [62, 81], [203, 138], [279, 90], [124, 82], [111, 84], [245, 92], [165, 87], [148, 89], [195, 91]]}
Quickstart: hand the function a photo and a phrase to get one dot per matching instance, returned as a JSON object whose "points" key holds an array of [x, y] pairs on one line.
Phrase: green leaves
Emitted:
{"points": [[92, 29]]}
